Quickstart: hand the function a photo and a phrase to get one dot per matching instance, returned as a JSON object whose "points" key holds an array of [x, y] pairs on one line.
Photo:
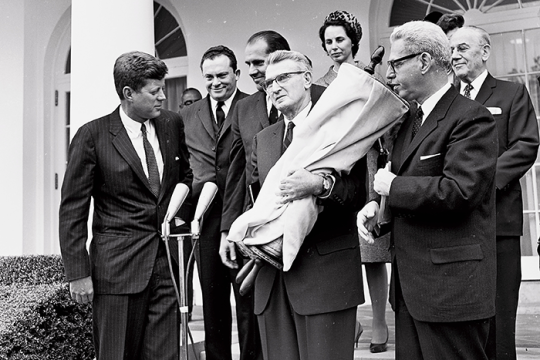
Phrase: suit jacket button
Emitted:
{"points": [[218, 168], [213, 148]]}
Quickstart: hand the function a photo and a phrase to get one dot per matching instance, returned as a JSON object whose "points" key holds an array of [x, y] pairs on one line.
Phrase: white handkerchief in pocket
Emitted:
{"points": [[495, 110], [425, 157]]}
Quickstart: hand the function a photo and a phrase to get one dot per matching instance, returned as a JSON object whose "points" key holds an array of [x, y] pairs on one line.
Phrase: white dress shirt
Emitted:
{"points": [[134, 132]]}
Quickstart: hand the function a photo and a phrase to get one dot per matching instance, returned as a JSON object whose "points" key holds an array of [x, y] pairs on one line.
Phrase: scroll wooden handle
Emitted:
{"points": [[376, 59], [249, 280], [244, 271]]}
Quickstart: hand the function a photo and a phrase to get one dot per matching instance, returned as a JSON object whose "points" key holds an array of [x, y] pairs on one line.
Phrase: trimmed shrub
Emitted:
{"points": [[38, 319]]}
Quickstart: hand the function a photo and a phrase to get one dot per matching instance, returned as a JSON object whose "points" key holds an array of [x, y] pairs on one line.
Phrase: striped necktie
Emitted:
{"points": [[151, 163], [288, 136]]}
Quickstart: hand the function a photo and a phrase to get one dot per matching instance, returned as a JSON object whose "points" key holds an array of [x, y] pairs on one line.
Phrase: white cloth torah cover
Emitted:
{"points": [[353, 112]]}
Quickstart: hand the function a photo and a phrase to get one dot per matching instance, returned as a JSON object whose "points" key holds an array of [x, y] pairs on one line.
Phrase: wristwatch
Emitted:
{"points": [[326, 185]]}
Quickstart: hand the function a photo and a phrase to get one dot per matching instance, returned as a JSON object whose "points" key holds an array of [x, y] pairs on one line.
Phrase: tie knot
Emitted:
{"points": [[143, 129], [290, 125], [220, 104], [467, 91]]}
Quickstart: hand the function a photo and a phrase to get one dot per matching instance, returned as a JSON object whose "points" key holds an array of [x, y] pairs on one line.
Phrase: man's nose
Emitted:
{"points": [[161, 95]]}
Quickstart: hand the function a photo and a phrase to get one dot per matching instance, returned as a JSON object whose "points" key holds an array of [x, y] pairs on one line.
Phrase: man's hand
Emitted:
{"points": [[297, 185], [383, 181], [82, 290], [227, 251], [366, 221]]}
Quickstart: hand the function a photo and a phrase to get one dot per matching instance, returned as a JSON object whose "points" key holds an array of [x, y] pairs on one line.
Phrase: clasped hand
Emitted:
{"points": [[298, 184]]}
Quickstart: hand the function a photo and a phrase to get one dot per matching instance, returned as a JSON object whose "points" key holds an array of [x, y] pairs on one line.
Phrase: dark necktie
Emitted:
{"points": [[467, 91], [151, 163], [273, 117], [220, 114], [288, 135], [417, 121]]}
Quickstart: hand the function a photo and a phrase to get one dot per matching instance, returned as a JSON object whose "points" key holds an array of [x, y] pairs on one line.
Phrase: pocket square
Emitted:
{"points": [[425, 157], [495, 110]]}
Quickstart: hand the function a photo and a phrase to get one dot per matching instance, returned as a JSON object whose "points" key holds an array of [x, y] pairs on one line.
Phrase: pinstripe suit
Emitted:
{"points": [[126, 253]]}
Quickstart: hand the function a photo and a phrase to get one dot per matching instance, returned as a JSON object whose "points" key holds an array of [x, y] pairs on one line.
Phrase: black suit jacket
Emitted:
{"points": [[249, 117], [517, 127], [443, 206], [209, 152], [104, 165], [326, 275]]}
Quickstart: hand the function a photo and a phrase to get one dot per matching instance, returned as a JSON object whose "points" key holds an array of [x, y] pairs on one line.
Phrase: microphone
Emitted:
{"points": [[177, 199], [208, 193]]}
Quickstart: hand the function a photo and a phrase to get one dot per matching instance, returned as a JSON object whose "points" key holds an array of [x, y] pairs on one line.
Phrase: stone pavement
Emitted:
{"points": [[527, 334]]}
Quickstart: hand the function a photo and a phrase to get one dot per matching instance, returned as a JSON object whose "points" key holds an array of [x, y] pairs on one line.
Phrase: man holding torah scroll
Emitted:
{"points": [[308, 200]]}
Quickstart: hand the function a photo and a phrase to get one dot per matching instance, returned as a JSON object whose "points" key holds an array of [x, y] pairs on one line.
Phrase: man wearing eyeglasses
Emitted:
{"points": [[511, 106], [250, 116], [441, 193], [308, 312]]}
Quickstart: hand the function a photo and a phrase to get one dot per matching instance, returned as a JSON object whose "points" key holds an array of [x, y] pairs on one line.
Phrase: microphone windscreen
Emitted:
{"points": [[208, 193], [177, 199]]}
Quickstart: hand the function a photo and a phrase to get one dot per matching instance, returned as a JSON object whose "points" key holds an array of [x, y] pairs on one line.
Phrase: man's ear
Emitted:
{"points": [[486, 52], [308, 79], [237, 74], [427, 61], [128, 93]]}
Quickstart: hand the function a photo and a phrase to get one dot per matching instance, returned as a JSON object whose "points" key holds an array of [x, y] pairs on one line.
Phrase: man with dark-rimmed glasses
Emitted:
{"points": [[441, 193]]}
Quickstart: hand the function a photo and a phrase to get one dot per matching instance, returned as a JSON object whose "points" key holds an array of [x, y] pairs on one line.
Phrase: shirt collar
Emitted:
{"points": [[430, 102], [476, 84], [227, 103], [299, 117], [133, 127]]}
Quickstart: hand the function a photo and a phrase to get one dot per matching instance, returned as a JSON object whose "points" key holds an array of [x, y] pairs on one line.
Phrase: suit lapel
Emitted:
{"points": [[205, 117], [262, 112], [227, 123], [124, 146], [486, 90], [429, 125], [161, 126]]}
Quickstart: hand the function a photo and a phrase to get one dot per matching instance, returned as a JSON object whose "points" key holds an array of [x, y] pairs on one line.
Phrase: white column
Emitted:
{"points": [[11, 137], [101, 31]]}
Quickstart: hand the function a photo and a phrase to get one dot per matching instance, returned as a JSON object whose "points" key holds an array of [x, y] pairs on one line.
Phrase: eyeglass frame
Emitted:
{"points": [[391, 63], [267, 84]]}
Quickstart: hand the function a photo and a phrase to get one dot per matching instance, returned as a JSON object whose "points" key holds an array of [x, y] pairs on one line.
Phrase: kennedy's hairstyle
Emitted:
{"points": [[281, 55], [449, 22], [424, 36], [349, 23], [134, 68], [483, 36], [220, 50], [274, 41]]}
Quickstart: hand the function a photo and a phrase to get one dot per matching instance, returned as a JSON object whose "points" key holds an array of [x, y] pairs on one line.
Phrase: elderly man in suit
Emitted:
{"points": [[129, 163], [309, 311], [511, 106], [250, 116], [209, 139], [441, 192]]}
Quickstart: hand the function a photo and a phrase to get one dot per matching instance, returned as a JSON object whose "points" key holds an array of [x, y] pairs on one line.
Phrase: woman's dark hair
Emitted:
{"points": [[348, 22]]}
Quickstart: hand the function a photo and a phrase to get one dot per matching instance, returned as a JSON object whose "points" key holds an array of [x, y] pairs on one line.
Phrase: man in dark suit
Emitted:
{"points": [[511, 106], [441, 192], [209, 138], [129, 163], [308, 312], [250, 116]]}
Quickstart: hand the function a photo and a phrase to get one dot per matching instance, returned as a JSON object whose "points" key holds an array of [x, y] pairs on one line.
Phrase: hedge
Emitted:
{"points": [[38, 319]]}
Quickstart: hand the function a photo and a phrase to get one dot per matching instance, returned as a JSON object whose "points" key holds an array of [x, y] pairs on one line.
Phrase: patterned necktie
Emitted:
{"points": [[467, 91], [288, 136], [273, 117], [220, 114], [151, 163], [417, 121]]}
